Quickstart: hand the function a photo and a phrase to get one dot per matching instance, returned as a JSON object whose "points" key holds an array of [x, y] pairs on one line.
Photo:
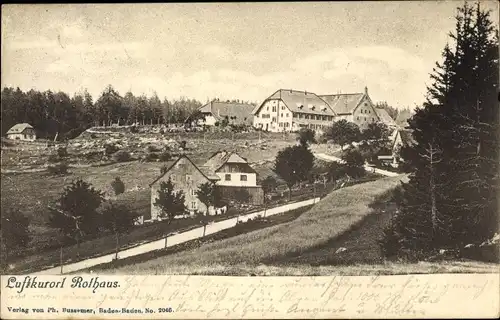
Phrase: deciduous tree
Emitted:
{"points": [[293, 164]]}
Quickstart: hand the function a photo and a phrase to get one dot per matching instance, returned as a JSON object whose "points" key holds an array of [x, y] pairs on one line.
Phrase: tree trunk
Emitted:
{"points": [[432, 187], [265, 206], [78, 246], [289, 193]]}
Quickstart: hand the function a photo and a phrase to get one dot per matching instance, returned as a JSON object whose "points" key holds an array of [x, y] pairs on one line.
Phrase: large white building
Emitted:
{"points": [[290, 110]]}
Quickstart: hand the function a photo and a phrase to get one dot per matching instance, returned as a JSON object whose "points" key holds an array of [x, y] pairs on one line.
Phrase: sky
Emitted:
{"points": [[243, 51]]}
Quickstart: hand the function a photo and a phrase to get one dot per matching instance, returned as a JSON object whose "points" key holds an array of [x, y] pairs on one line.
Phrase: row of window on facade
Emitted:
{"points": [[227, 177], [301, 116], [274, 108], [174, 178], [373, 119], [243, 177]]}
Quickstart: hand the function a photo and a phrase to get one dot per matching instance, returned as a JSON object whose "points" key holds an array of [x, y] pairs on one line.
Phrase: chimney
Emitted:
{"points": [[366, 90]]}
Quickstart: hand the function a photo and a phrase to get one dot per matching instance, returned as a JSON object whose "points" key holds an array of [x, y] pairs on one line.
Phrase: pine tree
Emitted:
{"points": [[450, 200]]}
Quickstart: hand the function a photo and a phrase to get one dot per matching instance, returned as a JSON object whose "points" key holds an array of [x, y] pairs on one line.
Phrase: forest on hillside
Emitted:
{"points": [[52, 113]]}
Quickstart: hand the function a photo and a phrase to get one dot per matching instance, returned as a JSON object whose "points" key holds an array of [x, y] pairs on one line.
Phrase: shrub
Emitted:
{"points": [[58, 169], [7, 143], [118, 186], [151, 157], [109, 149], [165, 156], [354, 163], [183, 144], [122, 156], [153, 149], [62, 152], [53, 158]]}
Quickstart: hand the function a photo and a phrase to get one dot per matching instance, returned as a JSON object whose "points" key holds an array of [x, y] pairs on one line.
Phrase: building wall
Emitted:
{"points": [[186, 177], [347, 117], [364, 114], [273, 116], [26, 135], [209, 120], [235, 179], [256, 193]]}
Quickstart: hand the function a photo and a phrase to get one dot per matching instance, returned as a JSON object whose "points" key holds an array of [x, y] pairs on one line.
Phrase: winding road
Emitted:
{"points": [[172, 240], [329, 158]]}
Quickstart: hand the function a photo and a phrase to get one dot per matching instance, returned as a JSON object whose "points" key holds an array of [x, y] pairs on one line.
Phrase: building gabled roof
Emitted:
{"points": [[173, 165], [406, 137], [19, 128], [344, 103], [300, 101], [219, 110], [219, 158], [385, 117]]}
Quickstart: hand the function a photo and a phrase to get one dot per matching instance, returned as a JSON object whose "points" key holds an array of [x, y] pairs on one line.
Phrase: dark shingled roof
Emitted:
{"points": [[219, 110], [343, 103], [218, 159], [385, 117], [301, 101]]}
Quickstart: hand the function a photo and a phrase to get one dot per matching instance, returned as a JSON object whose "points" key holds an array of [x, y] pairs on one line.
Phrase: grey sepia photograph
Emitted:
{"points": [[250, 139]]}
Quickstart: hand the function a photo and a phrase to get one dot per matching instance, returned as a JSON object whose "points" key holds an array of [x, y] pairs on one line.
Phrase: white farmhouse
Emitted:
{"points": [[22, 131], [234, 175]]}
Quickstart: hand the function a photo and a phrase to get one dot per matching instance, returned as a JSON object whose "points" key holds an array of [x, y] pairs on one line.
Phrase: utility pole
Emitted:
{"points": [[265, 206]]}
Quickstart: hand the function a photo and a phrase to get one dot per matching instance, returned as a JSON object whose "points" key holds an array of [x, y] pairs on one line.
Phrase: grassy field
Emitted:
{"points": [[31, 192], [227, 233], [336, 213]]}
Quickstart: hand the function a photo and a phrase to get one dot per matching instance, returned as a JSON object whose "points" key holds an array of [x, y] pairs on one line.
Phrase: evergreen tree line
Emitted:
{"points": [[450, 201], [52, 113]]}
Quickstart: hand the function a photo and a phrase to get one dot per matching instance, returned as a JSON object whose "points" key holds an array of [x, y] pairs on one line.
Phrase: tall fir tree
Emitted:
{"points": [[450, 200]]}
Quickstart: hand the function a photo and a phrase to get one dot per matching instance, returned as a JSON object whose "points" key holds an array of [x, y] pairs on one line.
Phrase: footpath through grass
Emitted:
{"points": [[333, 215], [224, 234]]}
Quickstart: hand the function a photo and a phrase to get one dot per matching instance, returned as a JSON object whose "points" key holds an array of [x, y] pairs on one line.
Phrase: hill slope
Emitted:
{"points": [[333, 215]]}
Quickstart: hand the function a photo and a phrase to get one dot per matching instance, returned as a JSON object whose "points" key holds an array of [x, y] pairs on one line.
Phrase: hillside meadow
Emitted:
{"points": [[31, 191], [336, 213]]}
